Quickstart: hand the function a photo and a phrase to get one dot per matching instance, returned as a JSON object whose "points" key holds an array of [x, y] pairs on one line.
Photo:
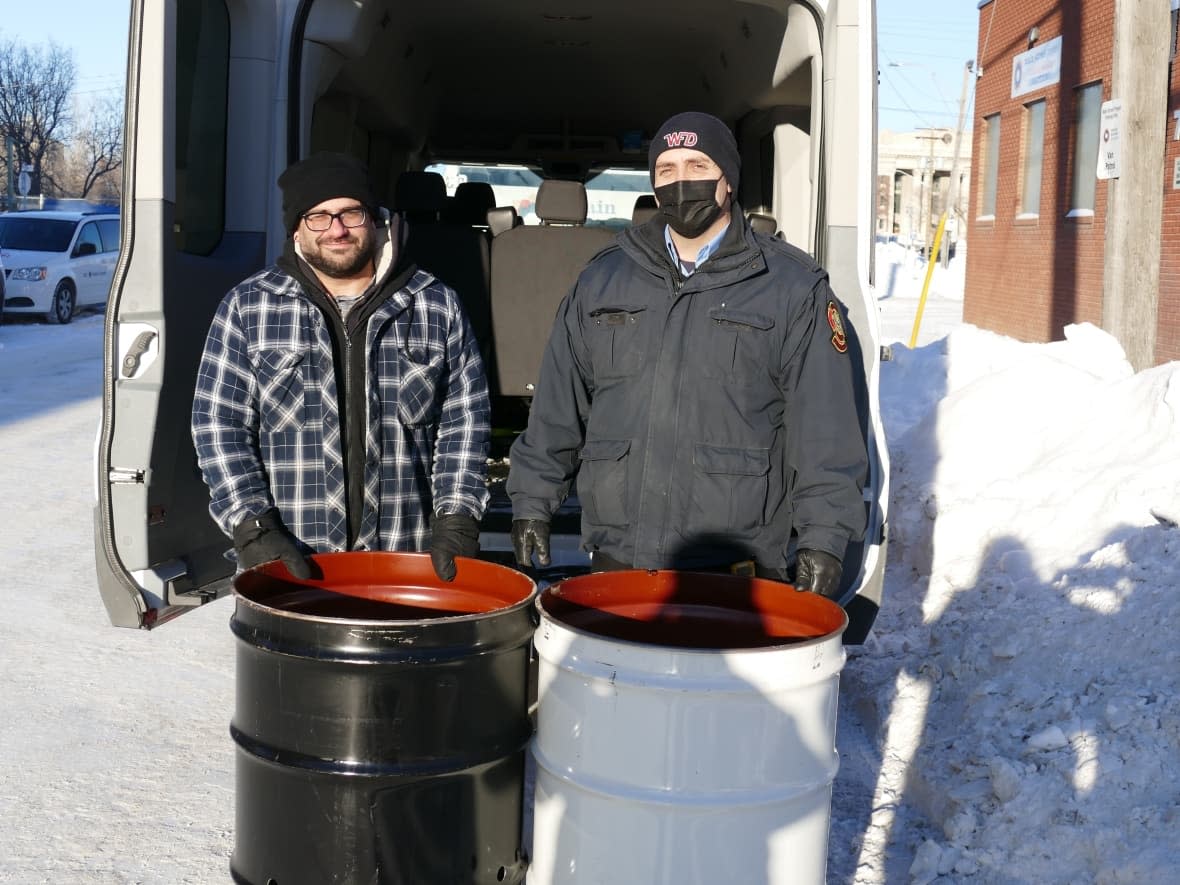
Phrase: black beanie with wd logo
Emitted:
{"points": [[700, 132]]}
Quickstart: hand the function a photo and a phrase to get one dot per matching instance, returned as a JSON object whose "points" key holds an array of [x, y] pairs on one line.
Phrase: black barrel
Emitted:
{"points": [[381, 722]]}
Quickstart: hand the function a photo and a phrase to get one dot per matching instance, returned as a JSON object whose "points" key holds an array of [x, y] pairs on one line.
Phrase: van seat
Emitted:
{"points": [[502, 218], [763, 223], [471, 203], [533, 268], [420, 195], [645, 209], [456, 254], [561, 202]]}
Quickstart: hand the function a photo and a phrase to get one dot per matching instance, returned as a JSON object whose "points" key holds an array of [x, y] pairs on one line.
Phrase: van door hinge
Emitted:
{"points": [[168, 583], [125, 475]]}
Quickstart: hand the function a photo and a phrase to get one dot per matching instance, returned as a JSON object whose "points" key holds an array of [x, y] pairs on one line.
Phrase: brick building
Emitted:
{"points": [[1037, 213]]}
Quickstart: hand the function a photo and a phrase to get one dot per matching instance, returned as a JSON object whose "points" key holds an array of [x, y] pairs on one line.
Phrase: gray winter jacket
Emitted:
{"points": [[704, 418]]}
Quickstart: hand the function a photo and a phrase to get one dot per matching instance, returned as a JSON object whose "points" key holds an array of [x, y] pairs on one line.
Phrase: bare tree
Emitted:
{"points": [[95, 152], [35, 88]]}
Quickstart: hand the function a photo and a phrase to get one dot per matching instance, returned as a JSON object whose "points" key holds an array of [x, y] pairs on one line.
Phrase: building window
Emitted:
{"points": [[1087, 103], [897, 184], [883, 214], [990, 167], [1034, 149], [1175, 27]]}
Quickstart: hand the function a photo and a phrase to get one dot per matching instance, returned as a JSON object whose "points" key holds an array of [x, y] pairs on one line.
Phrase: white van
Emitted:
{"points": [[224, 94], [57, 262]]}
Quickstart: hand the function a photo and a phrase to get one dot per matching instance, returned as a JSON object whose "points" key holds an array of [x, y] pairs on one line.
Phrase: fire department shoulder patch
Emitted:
{"points": [[839, 339]]}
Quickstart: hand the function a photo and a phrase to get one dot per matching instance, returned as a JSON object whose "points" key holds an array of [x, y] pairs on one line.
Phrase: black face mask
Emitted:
{"points": [[689, 206]]}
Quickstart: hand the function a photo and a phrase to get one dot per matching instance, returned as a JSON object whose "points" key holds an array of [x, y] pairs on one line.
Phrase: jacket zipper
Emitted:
{"points": [[354, 457]]}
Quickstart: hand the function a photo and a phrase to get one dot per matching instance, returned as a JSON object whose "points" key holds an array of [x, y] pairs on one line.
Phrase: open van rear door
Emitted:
{"points": [[192, 227], [222, 94]]}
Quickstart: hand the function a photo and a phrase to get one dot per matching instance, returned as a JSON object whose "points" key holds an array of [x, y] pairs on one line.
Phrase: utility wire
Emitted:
{"points": [[913, 89], [986, 37], [931, 111], [908, 82], [901, 97], [979, 66]]}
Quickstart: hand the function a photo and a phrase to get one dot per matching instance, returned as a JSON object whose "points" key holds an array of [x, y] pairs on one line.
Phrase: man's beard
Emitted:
{"points": [[342, 266]]}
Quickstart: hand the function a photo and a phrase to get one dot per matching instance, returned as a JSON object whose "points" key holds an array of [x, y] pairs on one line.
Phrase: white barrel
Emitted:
{"points": [[686, 730]]}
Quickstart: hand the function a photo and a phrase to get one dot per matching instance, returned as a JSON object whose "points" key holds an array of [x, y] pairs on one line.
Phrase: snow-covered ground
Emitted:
{"points": [[900, 275], [1012, 719]]}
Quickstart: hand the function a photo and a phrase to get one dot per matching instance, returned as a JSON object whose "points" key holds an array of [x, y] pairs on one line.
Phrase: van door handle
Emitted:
{"points": [[138, 348]]}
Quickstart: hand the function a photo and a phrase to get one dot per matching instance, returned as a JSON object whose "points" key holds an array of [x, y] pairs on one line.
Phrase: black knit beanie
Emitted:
{"points": [[701, 132], [323, 176]]}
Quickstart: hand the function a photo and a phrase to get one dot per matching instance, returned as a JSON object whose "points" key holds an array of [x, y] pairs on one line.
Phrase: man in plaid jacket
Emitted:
{"points": [[341, 402]]}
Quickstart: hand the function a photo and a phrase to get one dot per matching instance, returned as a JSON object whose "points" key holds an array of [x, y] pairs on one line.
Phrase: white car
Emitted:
{"points": [[56, 262]]}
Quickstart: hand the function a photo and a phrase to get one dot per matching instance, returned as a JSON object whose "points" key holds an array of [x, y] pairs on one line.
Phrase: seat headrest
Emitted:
{"points": [[420, 192], [561, 202], [645, 208], [471, 203], [502, 218], [762, 223]]}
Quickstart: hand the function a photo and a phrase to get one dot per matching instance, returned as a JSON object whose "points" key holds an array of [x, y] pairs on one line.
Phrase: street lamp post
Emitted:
{"points": [[926, 211], [953, 188], [953, 184]]}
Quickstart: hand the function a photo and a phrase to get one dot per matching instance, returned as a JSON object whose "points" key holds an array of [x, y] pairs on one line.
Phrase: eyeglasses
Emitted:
{"points": [[352, 217]]}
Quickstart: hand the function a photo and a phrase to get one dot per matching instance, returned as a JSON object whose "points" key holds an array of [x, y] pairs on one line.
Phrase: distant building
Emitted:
{"points": [[913, 185], [1037, 215]]}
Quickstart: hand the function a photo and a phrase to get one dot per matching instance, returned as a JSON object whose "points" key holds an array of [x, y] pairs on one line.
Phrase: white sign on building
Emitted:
{"points": [[1037, 68], [1111, 121]]}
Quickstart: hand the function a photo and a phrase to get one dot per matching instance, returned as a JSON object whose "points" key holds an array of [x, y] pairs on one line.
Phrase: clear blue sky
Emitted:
{"points": [[95, 30], [921, 49]]}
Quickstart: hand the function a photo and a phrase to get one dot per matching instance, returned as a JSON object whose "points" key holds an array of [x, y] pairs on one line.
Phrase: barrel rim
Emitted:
{"points": [[262, 608], [703, 651], [775, 648]]}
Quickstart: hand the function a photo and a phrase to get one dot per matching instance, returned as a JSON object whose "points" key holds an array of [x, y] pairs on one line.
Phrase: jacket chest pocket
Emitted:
{"points": [[729, 489], [602, 481], [616, 340], [281, 390], [737, 345], [417, 393]]}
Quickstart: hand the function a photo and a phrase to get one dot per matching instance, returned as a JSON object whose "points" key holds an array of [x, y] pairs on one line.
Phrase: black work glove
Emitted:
{"points": [[530, 536], [264, 538], [451, 535], [818, 572]]}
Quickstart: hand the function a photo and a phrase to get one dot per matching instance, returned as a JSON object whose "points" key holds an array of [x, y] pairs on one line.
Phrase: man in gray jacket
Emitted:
{"points": [[698, 385]]}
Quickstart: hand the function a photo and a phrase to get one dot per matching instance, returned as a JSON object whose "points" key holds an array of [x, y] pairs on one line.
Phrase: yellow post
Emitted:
{"points": [[933, 256]]}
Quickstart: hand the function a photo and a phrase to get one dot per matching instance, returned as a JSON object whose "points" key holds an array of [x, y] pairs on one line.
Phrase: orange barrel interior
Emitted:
{"points": [[691, 609]]}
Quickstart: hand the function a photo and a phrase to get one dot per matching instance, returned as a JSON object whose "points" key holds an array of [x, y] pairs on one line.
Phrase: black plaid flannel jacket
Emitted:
{"points": [[266, 425]]}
